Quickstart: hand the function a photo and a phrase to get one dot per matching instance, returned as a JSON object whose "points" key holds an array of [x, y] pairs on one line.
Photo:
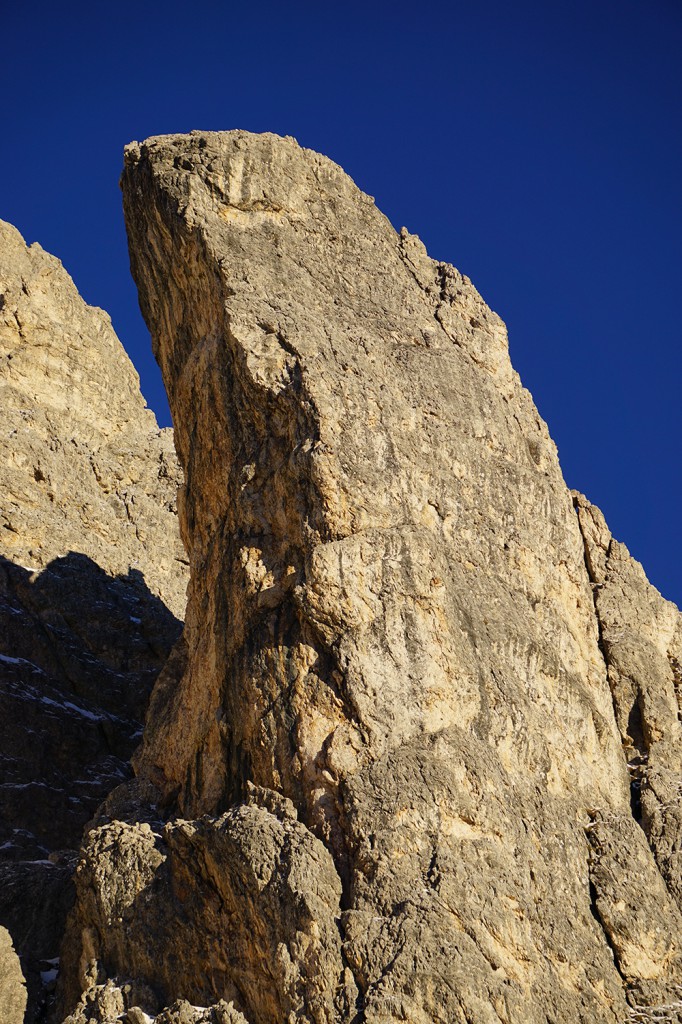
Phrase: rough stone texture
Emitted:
{"points": [[106, 1004], [641, 635], [84, 466], [390, 624], [92, 582], [641, 923], [12, 986], [252, 883]]}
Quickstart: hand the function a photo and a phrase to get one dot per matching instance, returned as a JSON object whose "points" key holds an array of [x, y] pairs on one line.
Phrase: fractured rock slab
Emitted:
{"points": [[641, 636], [258, 895], [84, 466]]}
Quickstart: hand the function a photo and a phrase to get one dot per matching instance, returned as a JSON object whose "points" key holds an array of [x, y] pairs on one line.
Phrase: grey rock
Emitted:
{"points": [[103, 1006], [183, 1012], [256, 896], [642, 925]]}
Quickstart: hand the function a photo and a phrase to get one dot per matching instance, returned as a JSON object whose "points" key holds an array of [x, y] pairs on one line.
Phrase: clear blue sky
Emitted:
{"points": [[535, 145]]}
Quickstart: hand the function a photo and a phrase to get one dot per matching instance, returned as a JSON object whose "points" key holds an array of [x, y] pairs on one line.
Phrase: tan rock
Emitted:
{"points": [[84, 466], [233, 882], [92, 583], [641, 637], [103, 1003], [12, 985], [390, 624]]}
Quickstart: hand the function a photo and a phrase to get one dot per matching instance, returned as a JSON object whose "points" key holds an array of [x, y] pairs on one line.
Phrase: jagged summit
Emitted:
{"points": [[85, 466], [58, 351]]}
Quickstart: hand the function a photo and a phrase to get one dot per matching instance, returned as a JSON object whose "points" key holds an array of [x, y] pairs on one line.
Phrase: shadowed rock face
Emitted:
{"points": [[79, 652], [391, 632], [91, 584]]}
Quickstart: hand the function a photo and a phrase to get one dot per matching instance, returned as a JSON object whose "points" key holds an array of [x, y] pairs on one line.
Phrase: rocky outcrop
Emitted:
{"points": [[92, 582], [12, 986], [641, 637], [85, 467], [240, 875], [389, 757]]}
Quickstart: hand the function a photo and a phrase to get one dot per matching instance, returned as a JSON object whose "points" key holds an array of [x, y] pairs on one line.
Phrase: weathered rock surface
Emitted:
{"points": [[641, 636], [391, 628], [12, 986], [106, 1004], [92, 581], [238, 877], [84, 466]]}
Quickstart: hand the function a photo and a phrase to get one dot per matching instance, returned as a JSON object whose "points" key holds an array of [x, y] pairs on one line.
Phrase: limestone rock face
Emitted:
{"points": [[641, 636], [391, 632], [92, 581], [84, 466], [12, 987], [255, 876]]}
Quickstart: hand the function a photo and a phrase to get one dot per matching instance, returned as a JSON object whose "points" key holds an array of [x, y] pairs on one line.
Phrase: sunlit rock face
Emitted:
{"points": [[12, 988], [85, 468], [92, 583], [392, 719]]}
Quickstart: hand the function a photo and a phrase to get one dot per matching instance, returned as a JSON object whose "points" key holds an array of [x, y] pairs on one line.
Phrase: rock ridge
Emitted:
{"points": [[92, 585]]}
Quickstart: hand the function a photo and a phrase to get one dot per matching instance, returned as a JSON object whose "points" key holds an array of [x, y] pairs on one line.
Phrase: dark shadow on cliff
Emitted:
{"points": [[79, 653]]}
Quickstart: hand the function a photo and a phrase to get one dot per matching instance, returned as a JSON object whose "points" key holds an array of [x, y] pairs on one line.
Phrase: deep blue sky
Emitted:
{"points": [[535, 145]]}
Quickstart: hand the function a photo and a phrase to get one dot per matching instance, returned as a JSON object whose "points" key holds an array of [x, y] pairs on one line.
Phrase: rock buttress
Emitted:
{"points": [[390, 622]]}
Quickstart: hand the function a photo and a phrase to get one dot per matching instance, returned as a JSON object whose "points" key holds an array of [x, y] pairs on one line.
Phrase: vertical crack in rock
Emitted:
{"points": [[641, 637], [596, 574], [390, 629], [643, 930]]}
